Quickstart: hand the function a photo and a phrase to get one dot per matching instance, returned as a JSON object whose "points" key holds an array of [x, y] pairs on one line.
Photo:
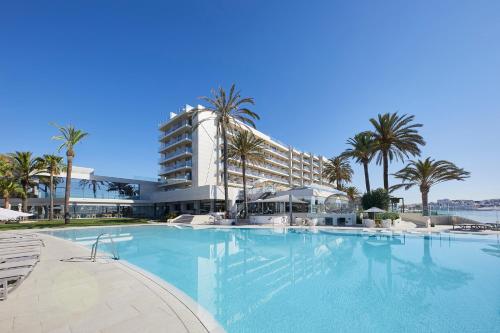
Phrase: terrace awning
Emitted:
{"points": [[281, 198]]}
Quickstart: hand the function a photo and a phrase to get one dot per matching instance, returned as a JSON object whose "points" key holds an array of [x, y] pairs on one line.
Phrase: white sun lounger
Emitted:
{"points": [[20, 240], [15, 275], [15, 244], [18, 264], [20, 250], [18, 256]]}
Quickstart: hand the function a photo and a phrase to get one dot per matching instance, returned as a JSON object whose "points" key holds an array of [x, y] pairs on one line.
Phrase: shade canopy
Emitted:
{"points": [[281, 198], [374, 210], [8, 214]]}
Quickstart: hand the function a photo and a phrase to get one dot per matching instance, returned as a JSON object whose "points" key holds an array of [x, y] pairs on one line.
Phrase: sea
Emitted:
{"points": [[485, 216]]}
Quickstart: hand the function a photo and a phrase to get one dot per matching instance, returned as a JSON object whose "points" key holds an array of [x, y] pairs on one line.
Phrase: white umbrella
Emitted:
{"points": [[374, 210], [8, 214]]}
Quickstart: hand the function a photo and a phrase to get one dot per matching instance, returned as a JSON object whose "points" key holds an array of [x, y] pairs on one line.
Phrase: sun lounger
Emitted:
{"points": [[20, 250], [11, 235], [473, 226], [16, 245], [18, 264], [10, 278], [20, 240], [18, 256]]}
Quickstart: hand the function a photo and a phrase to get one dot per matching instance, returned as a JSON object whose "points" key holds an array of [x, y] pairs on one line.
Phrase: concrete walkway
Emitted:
{"points": [[68, 293]]}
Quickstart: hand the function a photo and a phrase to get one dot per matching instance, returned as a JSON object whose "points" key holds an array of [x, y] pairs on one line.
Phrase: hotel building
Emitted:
{"points": [[190, 175], [191, 169]]}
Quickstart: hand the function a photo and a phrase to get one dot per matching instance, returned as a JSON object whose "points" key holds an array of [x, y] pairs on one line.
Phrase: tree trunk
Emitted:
{"points": [[338, 184], [67, 192], [367, 177], [224, 166], [6, 203], [25, 197], [425, 203], [245, 203], [51, 210], [386, 169]]}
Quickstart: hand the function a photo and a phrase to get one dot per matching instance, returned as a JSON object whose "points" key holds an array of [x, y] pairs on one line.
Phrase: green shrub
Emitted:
{"points": [[376, 198], [387, 216]]}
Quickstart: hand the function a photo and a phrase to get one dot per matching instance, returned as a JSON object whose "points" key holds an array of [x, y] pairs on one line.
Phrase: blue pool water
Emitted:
{"points": [[265, 280]]}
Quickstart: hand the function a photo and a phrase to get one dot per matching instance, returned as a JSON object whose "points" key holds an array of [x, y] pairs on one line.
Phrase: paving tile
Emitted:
{"points": [[81, 296]]}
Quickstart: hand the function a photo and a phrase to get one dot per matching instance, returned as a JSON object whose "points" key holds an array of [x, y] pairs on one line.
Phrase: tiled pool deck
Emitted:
{"points": [[68, 293]]}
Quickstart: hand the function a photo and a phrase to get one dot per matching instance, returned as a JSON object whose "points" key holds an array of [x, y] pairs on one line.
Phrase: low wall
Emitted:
{"points": [[420, 220]]}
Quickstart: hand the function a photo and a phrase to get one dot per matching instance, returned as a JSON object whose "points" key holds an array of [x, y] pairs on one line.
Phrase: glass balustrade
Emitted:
{"points": [[177, 152], [175, 140], [175, 166]]}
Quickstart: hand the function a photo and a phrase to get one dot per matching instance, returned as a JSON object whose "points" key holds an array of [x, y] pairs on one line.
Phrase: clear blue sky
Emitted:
{"points": [[318, 71]]}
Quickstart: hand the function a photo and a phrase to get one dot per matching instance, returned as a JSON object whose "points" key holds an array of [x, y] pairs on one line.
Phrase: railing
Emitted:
{"points": [[184, 123], [168, 168], [175, 141], [259, 174], [176, 180], [93, 252], [178, 152]]}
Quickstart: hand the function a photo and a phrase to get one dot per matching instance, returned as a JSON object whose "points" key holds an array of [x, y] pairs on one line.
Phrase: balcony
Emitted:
{"points": [[185, 124], [176, 181], [183, 152], [175, 167], [175, 141], [256, 174], [277, 152]]}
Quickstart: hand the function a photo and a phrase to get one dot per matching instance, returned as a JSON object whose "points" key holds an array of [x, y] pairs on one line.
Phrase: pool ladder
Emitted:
{"points": [[93, 252]]}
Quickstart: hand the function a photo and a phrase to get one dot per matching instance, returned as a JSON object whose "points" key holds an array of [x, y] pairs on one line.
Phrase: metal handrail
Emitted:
{"points": [[93, 252]]}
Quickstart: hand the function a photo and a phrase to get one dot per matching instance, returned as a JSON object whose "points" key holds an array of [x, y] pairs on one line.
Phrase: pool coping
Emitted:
{"points": [[205, 318]]}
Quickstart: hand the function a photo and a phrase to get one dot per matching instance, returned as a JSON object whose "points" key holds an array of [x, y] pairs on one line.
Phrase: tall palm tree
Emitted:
{"points": [[8, 188], [427, 173], [54, 166], [70, 137], [228, 110], [395, 138], [337, 169], [362, 150], [245, 147], [25, 169]]}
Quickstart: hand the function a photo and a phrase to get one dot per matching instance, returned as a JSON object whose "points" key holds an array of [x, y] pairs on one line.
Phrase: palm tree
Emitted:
{"points": [[427, 173], [25, 168], [395, 137], [54, 166], [362, 151], [70, 137], [337, 169], [352, 193], [245, 147], [8, 188], [228, 111]]}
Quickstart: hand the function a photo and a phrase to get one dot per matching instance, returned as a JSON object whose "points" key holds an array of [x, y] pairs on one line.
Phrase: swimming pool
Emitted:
{"points": [[273, 280]]}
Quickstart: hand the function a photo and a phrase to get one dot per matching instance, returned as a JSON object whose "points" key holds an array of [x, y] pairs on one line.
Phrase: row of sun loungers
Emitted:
{"points": [[475, 226], [19, 254]]}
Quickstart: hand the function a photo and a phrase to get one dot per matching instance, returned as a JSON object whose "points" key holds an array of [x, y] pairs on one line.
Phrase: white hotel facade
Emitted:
{"points": [[190, 176], [191, 172]]}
